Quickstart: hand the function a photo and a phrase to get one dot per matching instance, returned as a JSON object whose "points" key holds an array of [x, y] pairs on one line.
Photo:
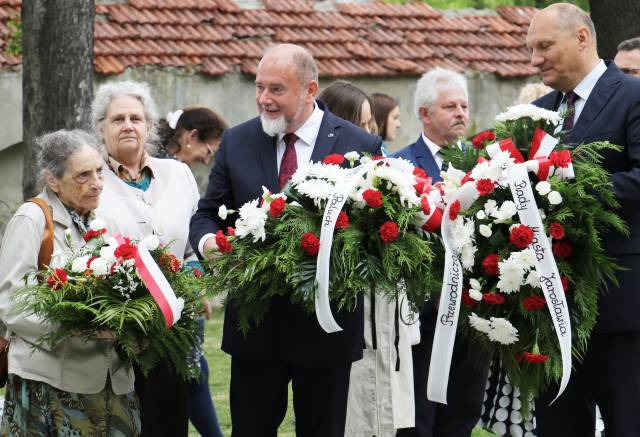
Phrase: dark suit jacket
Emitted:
{"points": [[420, 156], [612, 113], [245, 161]]}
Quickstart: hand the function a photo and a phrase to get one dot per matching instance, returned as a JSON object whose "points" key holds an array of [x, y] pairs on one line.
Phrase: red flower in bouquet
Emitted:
{"points": [[560, 159], [310, 243], [343, 221], [57, 279], [521, 236], [493, 298], [534, 358], [480, 140], [170, 261], [561, 249], [91, 234], [485, 186], [424, 204], [372, 197], [534, 303], [422, 181], [556, 230], [197, 273], [454, 209], [490, 264], [223, 244], [466, 178], [388, 232], [334, 158], [276, 207], [377, 157], [231, 231], [466, 299], [126, 250], [565, 283]]}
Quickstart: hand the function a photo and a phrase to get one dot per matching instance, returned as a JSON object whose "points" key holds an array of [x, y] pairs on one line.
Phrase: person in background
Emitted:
{"points": [[77, 384], [628, 56], [531, 92], [386, 113], [191, 135], [351, 102], [142, 196]]}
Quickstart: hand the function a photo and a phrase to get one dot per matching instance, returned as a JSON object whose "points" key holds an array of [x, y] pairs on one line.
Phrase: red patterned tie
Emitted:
{"points": [[570, 98], [289, 163]]}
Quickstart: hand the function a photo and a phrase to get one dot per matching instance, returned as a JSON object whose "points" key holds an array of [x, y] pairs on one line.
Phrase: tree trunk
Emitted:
{"points": [[615, 21], [57, 73]]}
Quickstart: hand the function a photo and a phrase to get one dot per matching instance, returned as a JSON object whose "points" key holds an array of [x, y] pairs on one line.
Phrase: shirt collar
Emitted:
{"points": [[123, 173], [308, 132], [433, 147], [586, 85]]}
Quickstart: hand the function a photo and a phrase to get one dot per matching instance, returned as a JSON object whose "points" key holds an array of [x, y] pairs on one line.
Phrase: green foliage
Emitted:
{"points": [[14, 38], [491, 4]]}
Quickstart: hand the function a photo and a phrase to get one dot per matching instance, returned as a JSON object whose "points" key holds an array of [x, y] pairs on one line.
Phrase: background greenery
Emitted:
{"points": [[489, 4]]}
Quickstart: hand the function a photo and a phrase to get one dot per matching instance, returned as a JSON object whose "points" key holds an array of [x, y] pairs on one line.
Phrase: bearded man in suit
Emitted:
{"points": [[602, 104], [288, 344]]}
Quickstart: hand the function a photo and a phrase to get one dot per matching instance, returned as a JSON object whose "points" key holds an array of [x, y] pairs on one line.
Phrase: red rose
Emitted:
{"points": [[561, 249], [534, 358], [485, 186], [231, 231], [388, 232], [57, 279], [493, 298], [310, 243], [521, 236], [93, 234], [276, 207], [479, 141], [372, 197], [343, 221], [170, 261], [426, 208], [334, 158], [466, 299], [560, 159], [565, 283], [534, 303], [454, 209], [556, 230], [223, 244], [466, 178], [126, 250], [490, 264], [197, 273]]}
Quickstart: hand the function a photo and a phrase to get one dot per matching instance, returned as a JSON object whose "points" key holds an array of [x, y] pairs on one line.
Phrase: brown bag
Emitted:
{"points": [[44, 258]]}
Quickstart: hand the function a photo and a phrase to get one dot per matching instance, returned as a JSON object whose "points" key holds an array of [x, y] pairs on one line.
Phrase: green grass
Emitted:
{"points": [[219, 365]]}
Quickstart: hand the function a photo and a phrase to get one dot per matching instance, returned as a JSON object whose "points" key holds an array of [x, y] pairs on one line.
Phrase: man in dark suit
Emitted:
{"points": [[603, 105], [441, 104], [288, 344]]}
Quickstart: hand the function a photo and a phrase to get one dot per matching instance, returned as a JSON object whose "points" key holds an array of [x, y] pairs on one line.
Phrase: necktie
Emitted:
{"points": [[289, 163], [571, 98], [445, 164]]}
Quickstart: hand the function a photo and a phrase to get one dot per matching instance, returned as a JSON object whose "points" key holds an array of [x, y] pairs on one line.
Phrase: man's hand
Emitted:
{"points": [[206, 310], [209, 249]]}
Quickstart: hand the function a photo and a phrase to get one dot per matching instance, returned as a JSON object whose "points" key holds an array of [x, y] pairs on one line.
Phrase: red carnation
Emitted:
{"points": [[561, 249], [521, 236], [372, 197], [91, 233], [485, 186], [277, 206], [556, 230], [417, 171], [454, 209], [426, 208], [490, 264], [126, 250], [197, 273], [479, 141], [534, 303], [310, 243], [560, 159], [343, 221], [565, 283], [534, 358], [334, 158], [466, 299], [171, 262], [57, 279], [388, 232], [493, 298], [224, 246], [231, 231], [466, 178]]}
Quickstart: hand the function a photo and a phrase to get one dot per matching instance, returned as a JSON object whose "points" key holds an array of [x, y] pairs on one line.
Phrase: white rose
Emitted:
{"points": [[485, 231], [97, 224], [222, 212], [543, 187], [480, 215], [554, 198], [79, 265], [475, 294], [99, 267], [151, 242], [474, 283], [107, 253]]}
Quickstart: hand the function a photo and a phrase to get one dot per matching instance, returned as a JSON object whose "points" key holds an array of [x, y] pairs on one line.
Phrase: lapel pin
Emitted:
{"points": [[330, 135]]}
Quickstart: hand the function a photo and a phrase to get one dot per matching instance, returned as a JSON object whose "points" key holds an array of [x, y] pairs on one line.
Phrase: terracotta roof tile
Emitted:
{"points": [[520, 15], [287, 6]]}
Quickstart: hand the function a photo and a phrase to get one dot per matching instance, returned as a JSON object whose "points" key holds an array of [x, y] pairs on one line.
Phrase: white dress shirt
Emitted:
{"points": [[583, 90], [434, 149]]}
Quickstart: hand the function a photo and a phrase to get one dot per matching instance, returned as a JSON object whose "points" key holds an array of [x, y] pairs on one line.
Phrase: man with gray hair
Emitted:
{"points": [[441, 105], [628, 56]]}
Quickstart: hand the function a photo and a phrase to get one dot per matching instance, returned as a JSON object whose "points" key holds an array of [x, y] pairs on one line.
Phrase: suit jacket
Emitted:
{"points": [[420, 156], [245, 161], [612, 113]]}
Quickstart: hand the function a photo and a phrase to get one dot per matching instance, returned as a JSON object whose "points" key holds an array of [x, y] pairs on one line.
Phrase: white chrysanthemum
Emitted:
{"points": [[316, 189], [352, 156], [99, 267], [500, 162], [511, 276], [480, 324], [97, 224], [453, 175], [333, 173], [555, 198], [301, 173], [402, 164], [506, 211], [533, 279], [467, 257], [475, 294], [79, 264], [502, 331], [462, 233], [485, 231], [107, 253], [151, 242], [525, 258], [543, 188], [529, 110], [365, 160], [251, 221], [474, 283]]}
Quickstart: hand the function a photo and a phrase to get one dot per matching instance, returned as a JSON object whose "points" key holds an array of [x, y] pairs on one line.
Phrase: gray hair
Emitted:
{"points": [[629, 44], [306, 68], [55, 148], [570, 17], [139, 90], [432, 83]]}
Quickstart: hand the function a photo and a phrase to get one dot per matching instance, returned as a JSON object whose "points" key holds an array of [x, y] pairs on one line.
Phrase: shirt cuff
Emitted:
{"points": [[203, 240]]}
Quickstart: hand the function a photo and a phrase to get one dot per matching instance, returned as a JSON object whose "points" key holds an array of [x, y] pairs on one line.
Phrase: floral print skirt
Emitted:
{"points": [[36, 409]]}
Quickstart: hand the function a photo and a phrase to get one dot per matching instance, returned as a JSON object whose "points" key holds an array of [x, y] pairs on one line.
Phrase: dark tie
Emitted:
{"points": [[445, 164], [289, 163], [568, 122]]}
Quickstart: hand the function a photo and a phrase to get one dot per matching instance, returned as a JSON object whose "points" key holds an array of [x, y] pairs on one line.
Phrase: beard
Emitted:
{"points": [[273, 127]]}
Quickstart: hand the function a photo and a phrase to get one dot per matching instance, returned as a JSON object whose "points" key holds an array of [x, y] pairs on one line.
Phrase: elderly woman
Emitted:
{"points": [[76, 386], [144, 195]]}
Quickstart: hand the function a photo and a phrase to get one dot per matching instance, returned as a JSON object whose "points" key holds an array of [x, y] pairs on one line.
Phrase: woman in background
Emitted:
{"points": [[386, 113], [347, 101]]}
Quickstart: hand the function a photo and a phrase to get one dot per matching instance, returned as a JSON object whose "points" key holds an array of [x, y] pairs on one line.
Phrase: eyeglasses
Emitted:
{"points": [[632, 71]]}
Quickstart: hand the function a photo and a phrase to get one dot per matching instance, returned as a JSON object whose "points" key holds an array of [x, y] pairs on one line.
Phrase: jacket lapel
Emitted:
{"points": [[425, 160], [327, 136], [267, 148]]}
